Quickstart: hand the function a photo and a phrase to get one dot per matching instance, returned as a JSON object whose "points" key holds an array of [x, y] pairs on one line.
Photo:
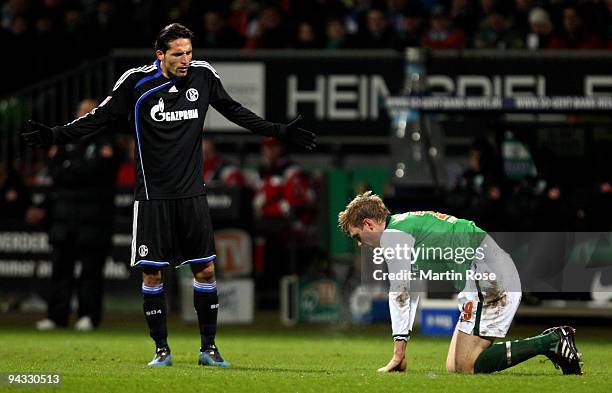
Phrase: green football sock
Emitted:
{"points": [[500, 356]]}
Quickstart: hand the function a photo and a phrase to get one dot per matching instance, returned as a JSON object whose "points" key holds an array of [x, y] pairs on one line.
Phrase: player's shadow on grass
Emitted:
{"points": [[280, 370]]}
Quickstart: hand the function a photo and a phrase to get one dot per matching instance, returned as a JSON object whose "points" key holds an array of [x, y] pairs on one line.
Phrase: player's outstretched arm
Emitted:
{"points": [[290, 133], [41, 135], [398, 362], [116, 105]]}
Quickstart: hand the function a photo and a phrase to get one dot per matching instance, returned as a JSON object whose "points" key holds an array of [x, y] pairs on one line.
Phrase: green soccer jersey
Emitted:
{"points": [[442, 243]]}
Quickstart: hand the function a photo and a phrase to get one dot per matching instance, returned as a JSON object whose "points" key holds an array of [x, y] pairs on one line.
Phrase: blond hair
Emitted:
{"points": [[366, 205]]}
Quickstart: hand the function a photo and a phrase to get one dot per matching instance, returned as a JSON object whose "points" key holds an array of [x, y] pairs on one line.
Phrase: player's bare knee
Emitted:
{"points": [[204, 273]]}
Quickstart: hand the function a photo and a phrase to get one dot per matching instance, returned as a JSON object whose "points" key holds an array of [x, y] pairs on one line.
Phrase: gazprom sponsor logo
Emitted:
{"points": [[158, 114]]}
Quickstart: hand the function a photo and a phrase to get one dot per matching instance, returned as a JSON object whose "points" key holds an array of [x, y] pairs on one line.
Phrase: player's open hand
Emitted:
{"points": [[295, 135], [395, 364], [38, 135]]}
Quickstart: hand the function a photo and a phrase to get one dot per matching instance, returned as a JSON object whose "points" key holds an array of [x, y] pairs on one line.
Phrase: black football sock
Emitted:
{"points": [[502, 355], [206, 303], [154, 307]]}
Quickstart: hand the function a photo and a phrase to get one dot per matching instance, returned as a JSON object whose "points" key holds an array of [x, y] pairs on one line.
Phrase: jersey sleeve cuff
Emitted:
{"points": [[401, 337]]}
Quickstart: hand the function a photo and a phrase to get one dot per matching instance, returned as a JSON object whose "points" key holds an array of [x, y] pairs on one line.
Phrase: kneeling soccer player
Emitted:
{"points": [[489, 298]]}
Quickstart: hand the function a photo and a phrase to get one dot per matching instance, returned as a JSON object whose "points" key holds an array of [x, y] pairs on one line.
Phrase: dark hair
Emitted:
{"points": [[170, 33]]}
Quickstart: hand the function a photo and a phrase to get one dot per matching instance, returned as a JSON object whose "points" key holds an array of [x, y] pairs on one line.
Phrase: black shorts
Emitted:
{"points": [[172, 232]]}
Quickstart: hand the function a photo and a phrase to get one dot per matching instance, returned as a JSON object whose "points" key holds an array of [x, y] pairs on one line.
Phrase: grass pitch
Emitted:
{"points": [[275, 359]]}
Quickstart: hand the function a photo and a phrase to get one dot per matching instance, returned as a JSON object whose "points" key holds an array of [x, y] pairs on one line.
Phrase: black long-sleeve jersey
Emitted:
{"points": [[168, 117]]}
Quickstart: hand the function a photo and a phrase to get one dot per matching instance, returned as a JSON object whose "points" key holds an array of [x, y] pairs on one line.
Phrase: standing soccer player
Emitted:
{"points": [[487, 305], [167, 103]]}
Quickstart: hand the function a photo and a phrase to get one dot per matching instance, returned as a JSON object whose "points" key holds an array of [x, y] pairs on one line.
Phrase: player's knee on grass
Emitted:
{"points": [[151, 276], [467, 350], [450, 365], [204, 272], [464, 366], [462, 361]]}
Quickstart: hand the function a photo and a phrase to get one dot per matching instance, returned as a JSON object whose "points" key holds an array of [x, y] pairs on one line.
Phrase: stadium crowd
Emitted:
{"points": [[86, 29], [544, 198]]}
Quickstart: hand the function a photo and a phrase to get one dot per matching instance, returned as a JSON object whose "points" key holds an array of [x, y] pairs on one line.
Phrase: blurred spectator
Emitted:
{"points": [[478, 192], [14, 196], [317, 11], [412, 28], [39, 25], [397, 10], [217, 170], [56, 9], [240, 15], [268, 31], [82, 223], [143, 25], [337, 35], [21, 30], [487, 6], [108, 22], [464, 16], [594, 15], [521, 14], [553, 213], [284, 187], [47, 35], [19, 38], [540, 29], [356, 18], [442, 34], [574, 34], [284, 217], [526, 197], [78, 33], [497, 32], [36, 172], [377, 33], [306, 36], [217, 34], [11, 10], [126, 174], [600, 206]]}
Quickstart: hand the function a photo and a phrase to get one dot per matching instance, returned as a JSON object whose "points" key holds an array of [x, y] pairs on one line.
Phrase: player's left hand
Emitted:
{"points": [[295, 135], [398, 361], [39, 135], [395, 364]]}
